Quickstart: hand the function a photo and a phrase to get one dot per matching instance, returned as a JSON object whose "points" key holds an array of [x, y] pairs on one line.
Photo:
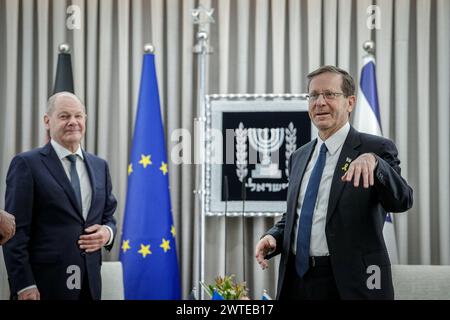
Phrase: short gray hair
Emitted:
{"points": [[52, 101]]}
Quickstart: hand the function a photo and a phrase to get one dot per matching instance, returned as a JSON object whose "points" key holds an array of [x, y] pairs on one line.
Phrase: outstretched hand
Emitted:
{"points": [[363, 166], [264, 246]]}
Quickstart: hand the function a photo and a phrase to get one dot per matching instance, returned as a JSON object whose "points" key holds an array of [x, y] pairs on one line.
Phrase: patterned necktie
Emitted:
{"points": [[74, 179], [306, 214]]}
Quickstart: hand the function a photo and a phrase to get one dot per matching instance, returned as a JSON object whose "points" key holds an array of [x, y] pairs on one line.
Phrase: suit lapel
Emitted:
{"points": [[90, 171], [348, 154], [54, 166]]}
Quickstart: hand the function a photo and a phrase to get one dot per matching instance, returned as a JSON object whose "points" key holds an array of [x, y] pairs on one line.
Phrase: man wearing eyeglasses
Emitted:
{"points": [[341, 186]]}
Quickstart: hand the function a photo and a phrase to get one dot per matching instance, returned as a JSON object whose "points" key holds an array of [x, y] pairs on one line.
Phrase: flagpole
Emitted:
{"points": [[64, 48], [369, 47], [202, 17], [201, 49]]}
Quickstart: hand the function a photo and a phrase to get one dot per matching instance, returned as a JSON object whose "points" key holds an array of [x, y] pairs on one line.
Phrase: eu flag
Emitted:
{"points": [[148, 251]]}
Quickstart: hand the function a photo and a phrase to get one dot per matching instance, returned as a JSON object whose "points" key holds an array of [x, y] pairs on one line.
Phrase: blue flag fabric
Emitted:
{"points": [[369, 88], [148, 251], [367, 112]]}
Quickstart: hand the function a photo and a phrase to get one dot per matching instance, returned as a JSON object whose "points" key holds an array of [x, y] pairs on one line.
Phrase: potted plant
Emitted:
{"points": [[227, 288]]}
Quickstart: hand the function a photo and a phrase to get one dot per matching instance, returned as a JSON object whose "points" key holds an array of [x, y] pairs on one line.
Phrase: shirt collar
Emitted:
{"points": [[62, 152], [334, 142]]}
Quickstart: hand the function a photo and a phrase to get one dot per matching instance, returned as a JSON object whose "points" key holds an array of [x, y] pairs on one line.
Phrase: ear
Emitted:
{"points": [[351, 103], [47, 121]]}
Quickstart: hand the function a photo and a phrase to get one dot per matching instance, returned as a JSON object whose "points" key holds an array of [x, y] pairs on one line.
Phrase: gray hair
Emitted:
{"points": [[348, 84], [52, 101]]}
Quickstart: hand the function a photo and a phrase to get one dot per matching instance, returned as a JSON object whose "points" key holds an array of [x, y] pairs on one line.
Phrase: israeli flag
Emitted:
{"points": [[367, 119], [367, 112]]}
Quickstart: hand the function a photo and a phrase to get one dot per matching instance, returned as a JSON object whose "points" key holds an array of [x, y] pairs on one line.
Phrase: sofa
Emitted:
{"points": [[421, 282], [411, 282], [112, 280]]}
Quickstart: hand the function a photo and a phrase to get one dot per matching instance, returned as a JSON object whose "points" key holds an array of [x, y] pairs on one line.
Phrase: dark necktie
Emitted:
{"points": [[74, 179], [306, 214]]}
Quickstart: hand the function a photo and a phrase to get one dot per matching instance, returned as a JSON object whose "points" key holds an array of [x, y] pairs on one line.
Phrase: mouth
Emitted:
{"points": [[322, 114]]}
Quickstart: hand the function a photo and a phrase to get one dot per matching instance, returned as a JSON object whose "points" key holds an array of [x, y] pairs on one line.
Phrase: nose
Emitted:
{"points": [[320, 101], [73, 121], [320, 98]]}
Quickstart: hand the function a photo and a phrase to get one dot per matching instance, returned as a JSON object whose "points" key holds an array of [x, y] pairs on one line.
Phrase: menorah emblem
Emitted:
{"points": [[266, 144]]}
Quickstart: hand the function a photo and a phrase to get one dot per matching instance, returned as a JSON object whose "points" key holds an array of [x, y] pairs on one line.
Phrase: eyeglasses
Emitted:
{"points": [[327, 95]]}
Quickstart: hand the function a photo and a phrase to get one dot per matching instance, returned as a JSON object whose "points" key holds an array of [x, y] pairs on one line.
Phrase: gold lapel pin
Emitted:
{"points": [[347, 163]]}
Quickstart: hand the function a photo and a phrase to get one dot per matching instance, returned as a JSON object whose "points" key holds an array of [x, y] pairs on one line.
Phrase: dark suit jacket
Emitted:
{"points": [[355, 216], [49, 223]]}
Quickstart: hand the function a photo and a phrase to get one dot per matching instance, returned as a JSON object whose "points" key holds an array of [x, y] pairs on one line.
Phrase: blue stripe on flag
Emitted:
{"points": [[368, 85]]}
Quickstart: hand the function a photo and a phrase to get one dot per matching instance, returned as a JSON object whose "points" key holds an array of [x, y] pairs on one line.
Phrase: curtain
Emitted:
{"points": [[260, 46]]}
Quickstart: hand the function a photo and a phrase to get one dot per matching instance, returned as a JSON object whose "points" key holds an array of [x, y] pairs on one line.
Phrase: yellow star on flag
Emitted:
{"points": [[145, 250], [126, 245], [172, 230], [163, 168], [165, 244], [145, 160], [130, 168]]}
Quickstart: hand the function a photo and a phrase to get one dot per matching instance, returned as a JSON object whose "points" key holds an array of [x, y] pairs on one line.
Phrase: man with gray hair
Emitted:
{"points": [[61, 198]]}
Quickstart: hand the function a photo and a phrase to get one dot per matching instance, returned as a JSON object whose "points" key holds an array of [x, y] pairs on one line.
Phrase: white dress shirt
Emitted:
{"points": [[83, 175], [85, 182], [318, 242]]}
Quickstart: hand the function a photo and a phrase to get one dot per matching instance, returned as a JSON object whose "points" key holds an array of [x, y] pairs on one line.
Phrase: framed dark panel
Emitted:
{"points": [[249, 139]]}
